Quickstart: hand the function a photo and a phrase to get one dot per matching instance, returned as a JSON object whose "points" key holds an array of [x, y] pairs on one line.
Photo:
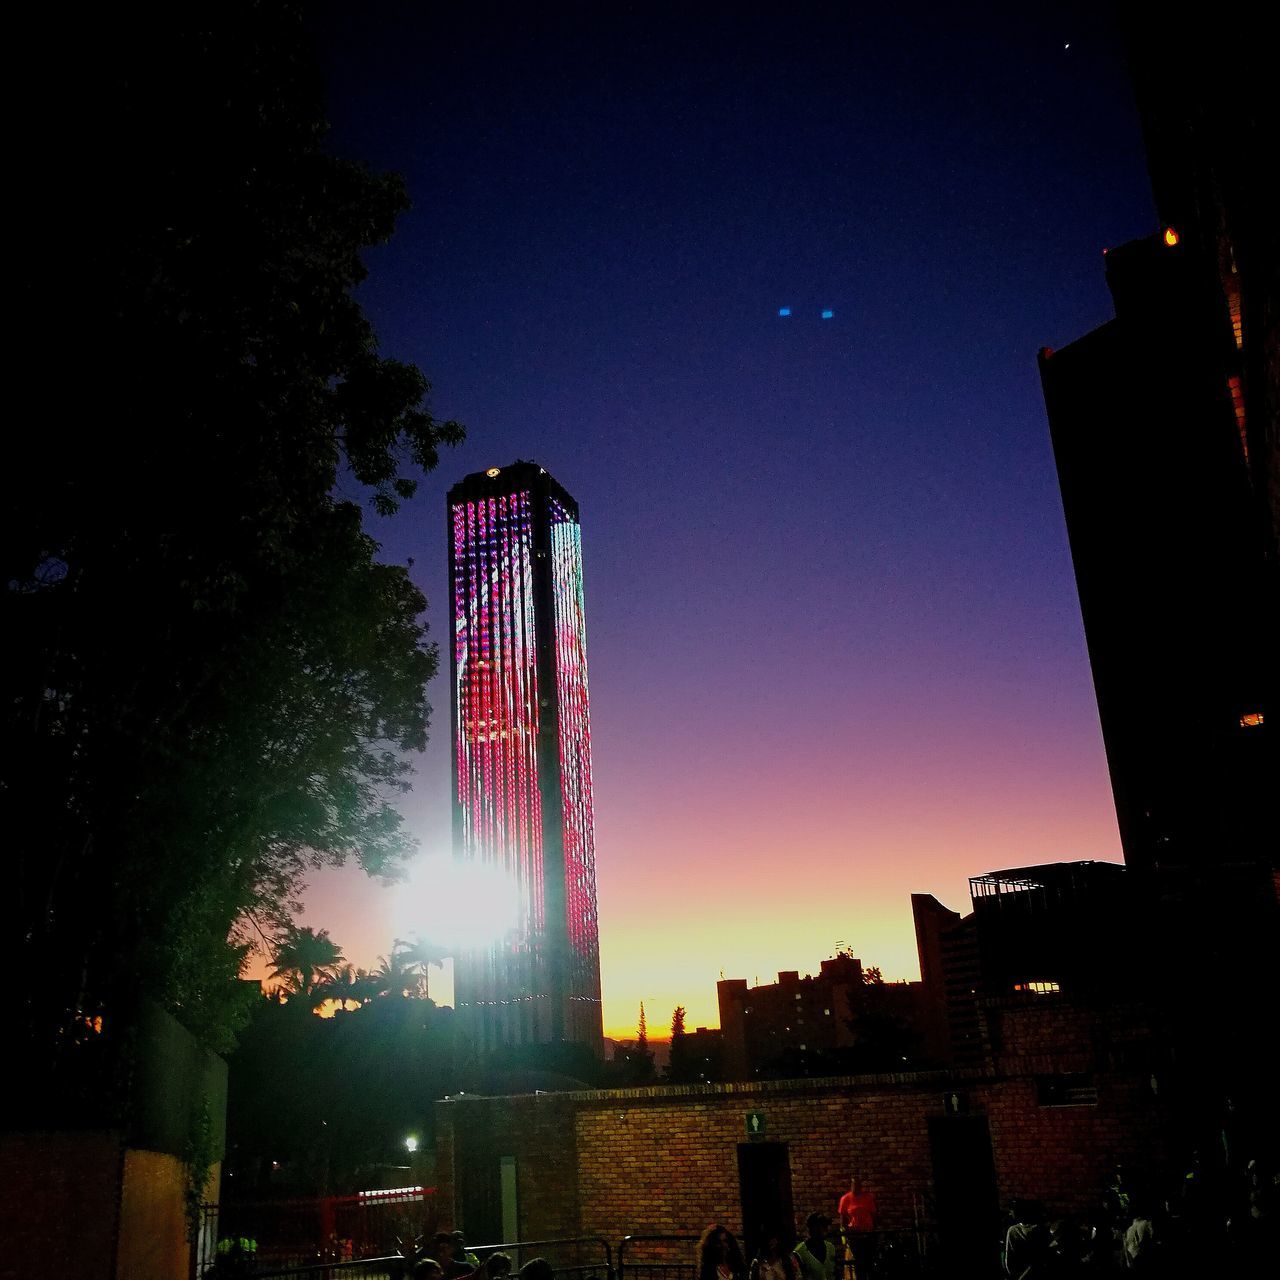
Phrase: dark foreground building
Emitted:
{"points": [[1165, 425], [1167, 536], [522, 755]]}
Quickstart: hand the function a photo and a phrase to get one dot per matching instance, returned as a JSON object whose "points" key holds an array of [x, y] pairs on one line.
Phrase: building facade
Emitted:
{"points": [[834, 1022], [522, 798]]}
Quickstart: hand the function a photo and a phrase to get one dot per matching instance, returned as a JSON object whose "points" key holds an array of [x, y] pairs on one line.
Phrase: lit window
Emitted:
{"points": [[1251, 720], [1037, 988], [784, 311], [1237, 403]]}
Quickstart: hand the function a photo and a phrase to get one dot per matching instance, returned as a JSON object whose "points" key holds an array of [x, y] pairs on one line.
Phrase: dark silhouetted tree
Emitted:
{"points": [[679, 1068], [422, 954], [307, 964], [211, 680]]}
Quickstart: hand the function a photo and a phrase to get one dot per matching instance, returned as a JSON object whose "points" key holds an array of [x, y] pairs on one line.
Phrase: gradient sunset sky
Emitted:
{"points": [[835, 647]]}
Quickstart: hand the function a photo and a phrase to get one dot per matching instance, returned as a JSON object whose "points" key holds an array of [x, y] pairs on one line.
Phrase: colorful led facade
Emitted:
{"points": [[522, 755]]}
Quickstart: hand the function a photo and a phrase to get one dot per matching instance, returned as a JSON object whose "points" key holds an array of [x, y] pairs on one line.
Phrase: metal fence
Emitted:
{"points": [[576, 1258], [392, 1268], [352, 1230], [898, 1255], [658, 1258]]}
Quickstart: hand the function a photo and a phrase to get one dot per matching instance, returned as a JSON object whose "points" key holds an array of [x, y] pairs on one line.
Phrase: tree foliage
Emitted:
{"points": [[316, 1104], [679, 1067], [309, 965], [212, 680]]}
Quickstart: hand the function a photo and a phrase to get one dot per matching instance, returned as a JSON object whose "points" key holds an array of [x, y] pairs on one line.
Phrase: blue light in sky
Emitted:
{"points": [[784, 311], [826, 315]]}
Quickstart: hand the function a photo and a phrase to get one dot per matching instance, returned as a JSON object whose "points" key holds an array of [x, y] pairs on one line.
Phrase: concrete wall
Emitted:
{"points": [[59, 1204], [82, 1204]]}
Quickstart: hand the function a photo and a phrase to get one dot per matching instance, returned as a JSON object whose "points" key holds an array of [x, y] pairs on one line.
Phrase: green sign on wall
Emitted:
{"points": [[755, 1124]]}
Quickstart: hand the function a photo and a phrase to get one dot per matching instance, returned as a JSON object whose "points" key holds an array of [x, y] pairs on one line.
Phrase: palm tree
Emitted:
{"points": [[367, 987], [343, 987], [404, 971], [394, 976], [305, 961], [421, 955]]}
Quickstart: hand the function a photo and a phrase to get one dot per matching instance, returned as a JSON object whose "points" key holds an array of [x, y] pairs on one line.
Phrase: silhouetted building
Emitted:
{"points": [[522, 798], [1060, 926], [950, 973], [819, 1025], [1166, 429], [1176, 592], [1209, 126], [1164, 425], [702, 1056], [1071, 930]]}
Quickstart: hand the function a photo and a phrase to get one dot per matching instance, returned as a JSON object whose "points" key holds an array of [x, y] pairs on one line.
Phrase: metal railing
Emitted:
{"points": [[658, 1258], [393, 1268], [574, 1258], [901, 1254], [897, 1255], [348, 1230]]}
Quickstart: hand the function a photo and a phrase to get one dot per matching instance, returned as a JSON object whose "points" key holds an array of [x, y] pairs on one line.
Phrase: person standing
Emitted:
{"points": [[719, 1257], [858, 1221], [815, 1255], [1026, 1244], [773, 1262]]}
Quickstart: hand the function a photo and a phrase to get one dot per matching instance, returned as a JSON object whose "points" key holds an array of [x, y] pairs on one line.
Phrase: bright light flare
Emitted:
{"points": [[456, 904]]}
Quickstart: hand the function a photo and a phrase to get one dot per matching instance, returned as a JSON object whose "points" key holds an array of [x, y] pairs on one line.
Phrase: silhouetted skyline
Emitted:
{"points": [[835, 641]]}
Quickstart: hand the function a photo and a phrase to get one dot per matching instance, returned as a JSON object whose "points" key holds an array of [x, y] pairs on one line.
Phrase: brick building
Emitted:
{"points": [[1058, 1073], [811, 1025], [941, 1149]]}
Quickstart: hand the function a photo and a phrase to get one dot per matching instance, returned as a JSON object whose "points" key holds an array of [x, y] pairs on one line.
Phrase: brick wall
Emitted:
{"points": [[664, 1160]]}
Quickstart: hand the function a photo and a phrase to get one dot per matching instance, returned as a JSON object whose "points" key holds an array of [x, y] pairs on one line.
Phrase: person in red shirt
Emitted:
{"points": [[858, 1219]]}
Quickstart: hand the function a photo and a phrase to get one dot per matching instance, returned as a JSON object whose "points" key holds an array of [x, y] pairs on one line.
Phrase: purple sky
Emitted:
{"points": [[835, 646]]}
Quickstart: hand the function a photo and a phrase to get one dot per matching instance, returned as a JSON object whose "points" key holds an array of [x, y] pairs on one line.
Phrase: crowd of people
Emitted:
{"points": [[1199, 1225], [857, 1250], [445, 1256]]}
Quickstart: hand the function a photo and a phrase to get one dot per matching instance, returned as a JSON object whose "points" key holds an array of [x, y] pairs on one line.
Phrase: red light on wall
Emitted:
{"points": [[1170, 237]]}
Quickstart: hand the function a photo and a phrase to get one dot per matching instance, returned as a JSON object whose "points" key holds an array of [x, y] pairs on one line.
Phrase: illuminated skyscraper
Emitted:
{"points": [[522, 755]]}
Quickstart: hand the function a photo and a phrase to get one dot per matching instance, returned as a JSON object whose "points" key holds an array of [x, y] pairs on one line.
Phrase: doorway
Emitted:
{"points": [[964, 1184], [764, 1185]]}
